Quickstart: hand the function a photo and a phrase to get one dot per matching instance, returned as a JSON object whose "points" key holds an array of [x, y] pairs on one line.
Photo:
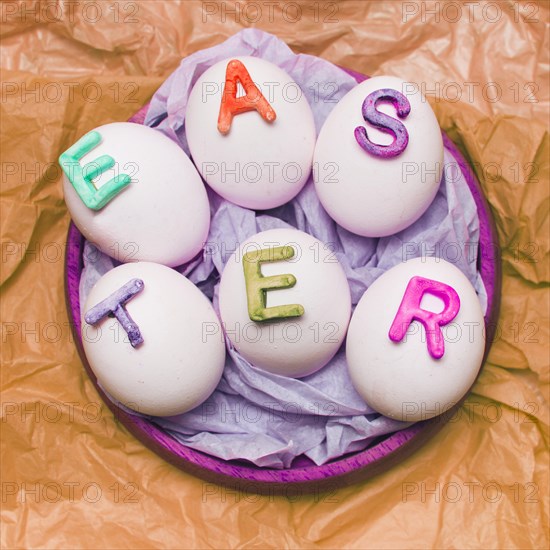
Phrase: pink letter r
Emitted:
{"points": [[410, 311]]}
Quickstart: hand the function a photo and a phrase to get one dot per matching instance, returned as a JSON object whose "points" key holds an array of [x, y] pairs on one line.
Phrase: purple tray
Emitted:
{"points": [[303, 476]]}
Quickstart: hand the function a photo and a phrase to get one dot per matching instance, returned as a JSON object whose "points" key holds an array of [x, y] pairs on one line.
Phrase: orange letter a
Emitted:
{"points": [[232, 105]]}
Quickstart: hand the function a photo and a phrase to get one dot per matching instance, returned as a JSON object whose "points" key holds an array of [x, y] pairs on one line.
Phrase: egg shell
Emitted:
{"points": [[162, 216], [181, 359], [402, 380], [369, 195], [293, 347], [272, 160]]}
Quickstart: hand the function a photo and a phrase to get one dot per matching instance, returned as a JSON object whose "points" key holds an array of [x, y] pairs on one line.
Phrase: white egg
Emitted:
{"points": [[181, 359], [371, 195], [162, 216], [295, 346], [401, 379], [257, 164]]}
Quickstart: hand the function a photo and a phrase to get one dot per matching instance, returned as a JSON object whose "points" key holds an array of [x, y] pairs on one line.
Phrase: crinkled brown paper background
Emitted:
{"points": [[72, 477]]}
